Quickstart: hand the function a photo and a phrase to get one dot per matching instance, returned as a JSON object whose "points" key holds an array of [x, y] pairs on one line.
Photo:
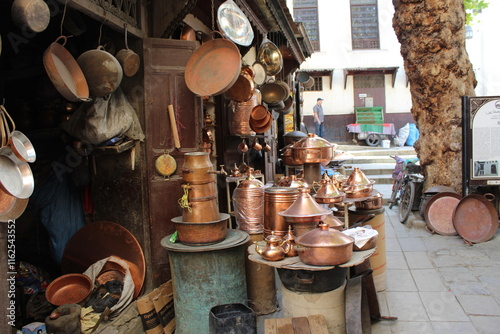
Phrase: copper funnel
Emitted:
{"points": [[304, 209]]}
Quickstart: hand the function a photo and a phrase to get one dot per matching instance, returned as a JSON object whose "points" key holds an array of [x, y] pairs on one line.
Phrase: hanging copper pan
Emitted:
{"points": [[439, 213], [242, 89], [475, 218], [213, 68], [11, 207]]}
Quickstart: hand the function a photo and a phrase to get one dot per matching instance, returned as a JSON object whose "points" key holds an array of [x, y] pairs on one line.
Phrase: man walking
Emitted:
{"points": [[319, 117]]}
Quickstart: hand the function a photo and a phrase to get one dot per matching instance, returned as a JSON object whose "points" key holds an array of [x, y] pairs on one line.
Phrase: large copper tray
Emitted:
{"points": [[475, 219], [100, 240], [439, 213], [213, 68]]}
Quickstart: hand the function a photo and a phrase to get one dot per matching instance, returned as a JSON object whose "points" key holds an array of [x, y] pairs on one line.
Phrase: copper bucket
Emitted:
{"points": [[197, 168], [239, 124], [201, 210], [277, 199]]}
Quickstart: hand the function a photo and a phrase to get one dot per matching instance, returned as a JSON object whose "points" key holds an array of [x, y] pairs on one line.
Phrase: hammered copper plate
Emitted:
{"points": [[439, 213], [100, 240], [475, 219], [213, 68]]}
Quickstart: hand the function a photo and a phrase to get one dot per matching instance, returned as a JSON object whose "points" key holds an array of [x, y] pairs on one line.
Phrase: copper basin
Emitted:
{"points": [[200, 234], [68, 289]]}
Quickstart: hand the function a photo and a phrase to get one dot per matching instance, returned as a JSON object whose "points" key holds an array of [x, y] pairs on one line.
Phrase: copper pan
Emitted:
{"points": [[99, 240], [16, 177], [65, 73], [213, 68], [261, 129], [475, 218], [11, 207], [439, 213]]}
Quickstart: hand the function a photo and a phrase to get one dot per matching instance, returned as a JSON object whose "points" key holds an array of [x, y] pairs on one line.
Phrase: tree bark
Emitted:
{"points": [[432, 37]]}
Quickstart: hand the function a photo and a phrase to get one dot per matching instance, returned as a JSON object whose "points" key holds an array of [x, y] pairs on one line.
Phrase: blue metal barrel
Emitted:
{"points": [[204, 277]]}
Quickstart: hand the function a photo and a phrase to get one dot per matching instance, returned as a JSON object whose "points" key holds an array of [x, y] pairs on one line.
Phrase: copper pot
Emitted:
{"points": [[242, 89], [201, 210], [197, 168], [202, 190], [324, 247], [287, 157], [277, 199], [372, 203], [359, 191], [313, 149], [204, 233]]}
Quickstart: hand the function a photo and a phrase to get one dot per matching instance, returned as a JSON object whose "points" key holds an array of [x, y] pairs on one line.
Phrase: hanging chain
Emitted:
{"points": [[213, 16]]}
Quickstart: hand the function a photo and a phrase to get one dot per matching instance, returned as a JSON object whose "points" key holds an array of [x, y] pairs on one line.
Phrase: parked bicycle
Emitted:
{"points": [[407, 186]]}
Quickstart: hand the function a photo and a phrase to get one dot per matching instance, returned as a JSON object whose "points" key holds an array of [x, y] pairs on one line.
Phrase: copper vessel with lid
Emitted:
{"points": [[287, 157], [358, 185], [334, 222], [324, 246], [288, 244], [248, 201], [313, 149], [277, 199], [273, 250], [328, 192], [304, 209]]}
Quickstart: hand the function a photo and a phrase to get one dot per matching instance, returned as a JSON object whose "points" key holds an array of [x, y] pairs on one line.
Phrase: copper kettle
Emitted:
{"points": [[273, 250]]}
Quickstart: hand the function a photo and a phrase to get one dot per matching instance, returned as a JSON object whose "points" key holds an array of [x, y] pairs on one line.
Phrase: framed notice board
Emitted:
{"points": [[481, 141]]}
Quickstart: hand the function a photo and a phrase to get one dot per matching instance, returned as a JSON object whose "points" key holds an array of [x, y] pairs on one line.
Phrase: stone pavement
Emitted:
{"points": [[438, 284]]}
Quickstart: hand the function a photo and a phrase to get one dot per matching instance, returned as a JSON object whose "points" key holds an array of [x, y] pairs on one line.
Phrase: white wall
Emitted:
{"points": [[336, 53]]}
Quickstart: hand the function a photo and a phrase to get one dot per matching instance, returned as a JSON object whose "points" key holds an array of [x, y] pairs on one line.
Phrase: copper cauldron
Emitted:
{"points": [[313, 149], [197, 168]]}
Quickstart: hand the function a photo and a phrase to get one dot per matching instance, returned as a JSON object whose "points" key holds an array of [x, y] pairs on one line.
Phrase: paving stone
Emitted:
{"points": [[442, 306], [479, 305], [392, 245], [418, 260], [457, 274], [412, 327], [381, 327], [427, 280], [396, 260], [400, 280], [468, 288], [407, 306], [454, 327], [412, 245], [486, 325]]}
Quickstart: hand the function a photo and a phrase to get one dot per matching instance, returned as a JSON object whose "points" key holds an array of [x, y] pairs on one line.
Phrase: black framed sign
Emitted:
{"points": [[481, 141]]}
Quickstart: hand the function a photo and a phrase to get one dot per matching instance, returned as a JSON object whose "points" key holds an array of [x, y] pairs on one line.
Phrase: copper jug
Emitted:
{"points": [[288, 244]]}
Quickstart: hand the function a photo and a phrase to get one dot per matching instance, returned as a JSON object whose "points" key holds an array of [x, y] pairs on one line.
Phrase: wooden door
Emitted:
{"points": [[369, 89], [164, 66]]}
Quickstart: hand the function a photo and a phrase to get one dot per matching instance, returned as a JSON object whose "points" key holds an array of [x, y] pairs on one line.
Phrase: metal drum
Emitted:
{"points": [[205, 277], [277, 199]]}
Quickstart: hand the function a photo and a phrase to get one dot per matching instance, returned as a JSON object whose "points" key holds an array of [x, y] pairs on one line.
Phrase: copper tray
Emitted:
{"points": [[439, 213], [68, 289], [100, 240], [475, 219], [213, 68]]}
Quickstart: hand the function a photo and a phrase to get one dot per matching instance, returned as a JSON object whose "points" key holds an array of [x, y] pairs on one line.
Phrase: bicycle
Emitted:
{"points": [[407, 183]]}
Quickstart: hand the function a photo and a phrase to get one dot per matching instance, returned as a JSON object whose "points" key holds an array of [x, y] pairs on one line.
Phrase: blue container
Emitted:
{"points": [[204, 277]]}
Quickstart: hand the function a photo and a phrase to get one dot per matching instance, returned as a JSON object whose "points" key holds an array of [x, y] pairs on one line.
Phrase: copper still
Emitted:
{"points": [[248, 201], [277, 199], [239, 124]]}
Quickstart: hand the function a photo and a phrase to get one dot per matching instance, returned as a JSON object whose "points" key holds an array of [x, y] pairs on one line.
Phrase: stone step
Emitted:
{"points": [[368, 159], [367, 150]]}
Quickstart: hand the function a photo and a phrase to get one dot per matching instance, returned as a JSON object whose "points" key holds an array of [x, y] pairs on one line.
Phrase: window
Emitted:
{"points": [[318, 85], [306, 11], [364, 24]]}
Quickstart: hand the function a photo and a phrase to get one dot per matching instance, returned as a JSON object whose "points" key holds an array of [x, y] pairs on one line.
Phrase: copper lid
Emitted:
{"points": [[357, 177], [304, 206], [250, 182], [332, 221], [298, 182], [323, 236], [328, 188], [313, 141]]}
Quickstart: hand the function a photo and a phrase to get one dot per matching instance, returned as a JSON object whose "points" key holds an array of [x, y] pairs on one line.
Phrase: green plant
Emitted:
{"points": [[472, 8]]}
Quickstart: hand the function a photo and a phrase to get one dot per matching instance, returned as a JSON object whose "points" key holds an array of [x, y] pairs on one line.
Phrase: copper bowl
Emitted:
{"points": [[201, 234], [69, 289], [259, 112], [372, 203]]}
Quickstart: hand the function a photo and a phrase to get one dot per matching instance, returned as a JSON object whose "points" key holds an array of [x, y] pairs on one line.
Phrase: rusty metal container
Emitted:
{"points": [[197, 168], [239, 124], [261, 283], [277, 199]]}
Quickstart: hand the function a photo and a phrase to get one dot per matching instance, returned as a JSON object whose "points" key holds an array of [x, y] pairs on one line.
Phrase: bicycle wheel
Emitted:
{"points": [[394, 195], [406, 202]]}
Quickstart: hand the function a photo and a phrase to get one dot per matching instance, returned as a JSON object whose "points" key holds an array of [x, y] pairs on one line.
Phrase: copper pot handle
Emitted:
{"points": [[490, 197]]}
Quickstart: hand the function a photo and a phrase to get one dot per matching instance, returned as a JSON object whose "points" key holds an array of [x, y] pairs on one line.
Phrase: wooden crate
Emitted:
{"points": [[313, 324]]}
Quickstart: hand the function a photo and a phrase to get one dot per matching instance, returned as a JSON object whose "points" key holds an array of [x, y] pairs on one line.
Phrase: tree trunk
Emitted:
{"points": [[432, 37]]}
